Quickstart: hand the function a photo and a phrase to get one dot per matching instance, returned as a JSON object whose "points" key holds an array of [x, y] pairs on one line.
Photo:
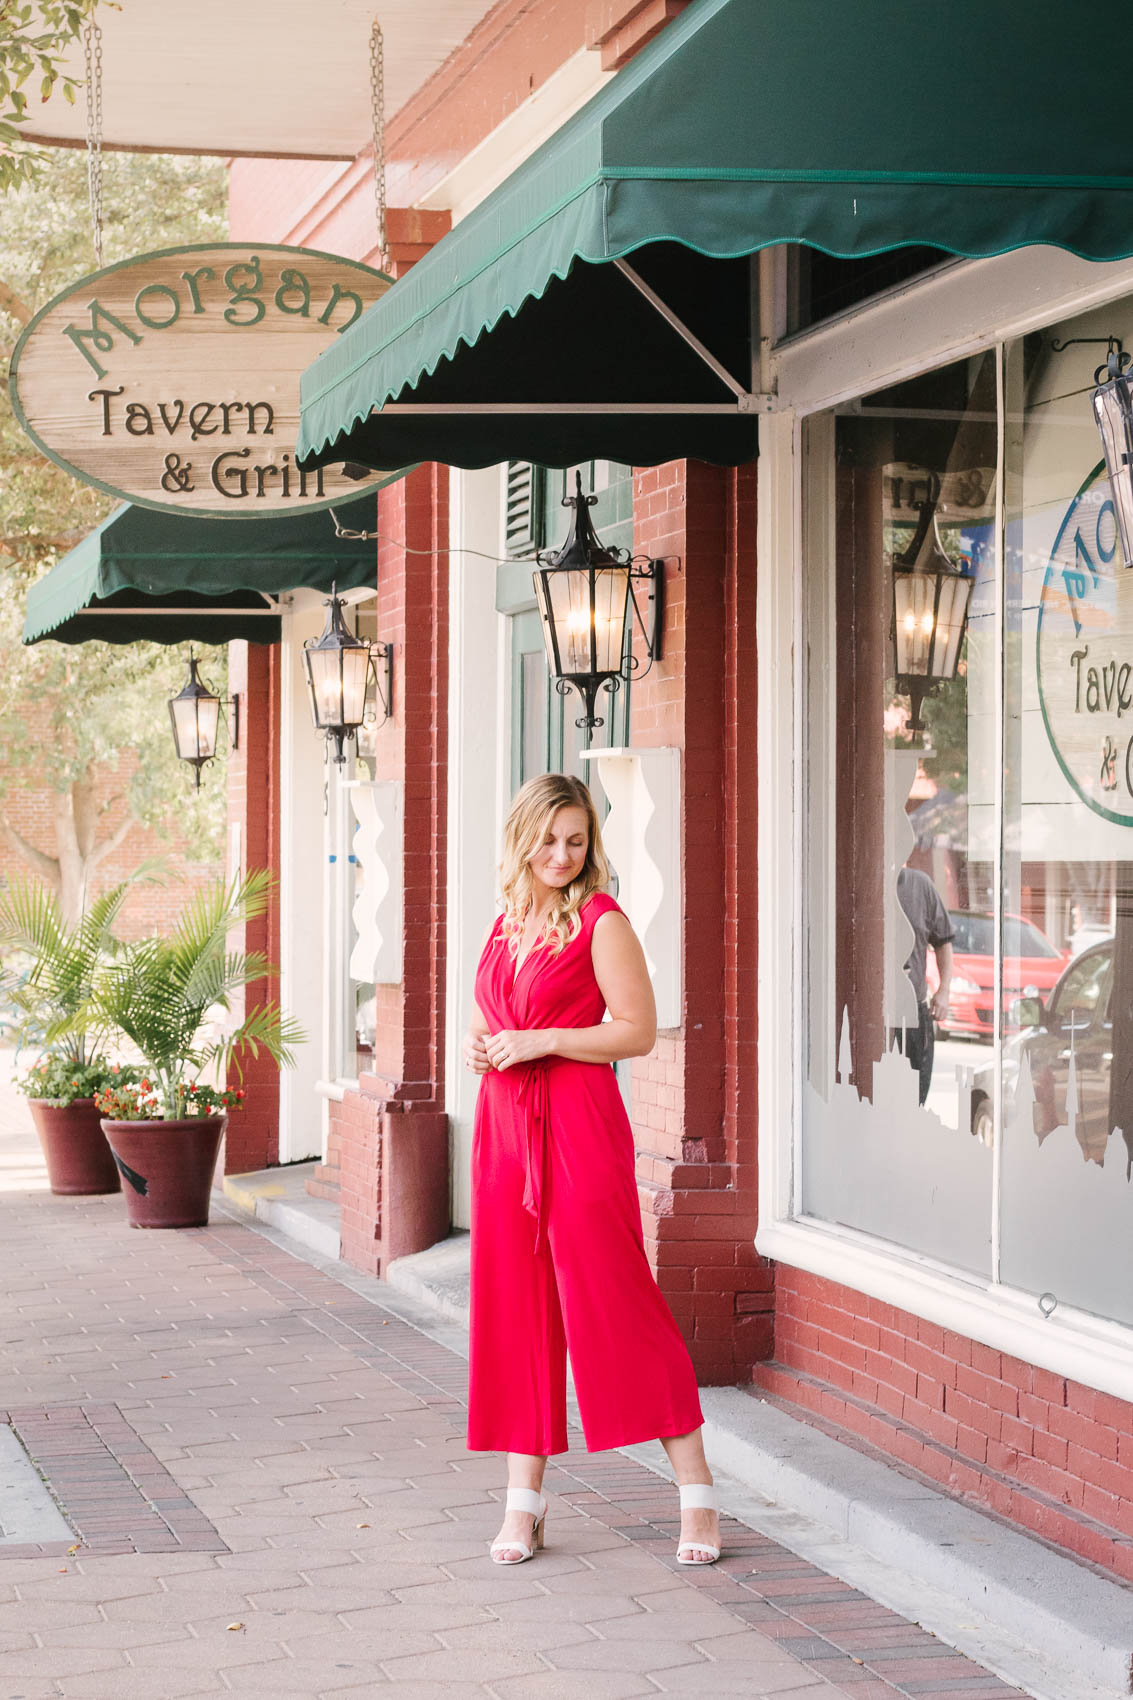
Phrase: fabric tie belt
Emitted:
{"points": [[534, 1100]]}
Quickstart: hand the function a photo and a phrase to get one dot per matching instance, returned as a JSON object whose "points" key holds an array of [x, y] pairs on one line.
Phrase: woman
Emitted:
{"points": [[558, 1258]]}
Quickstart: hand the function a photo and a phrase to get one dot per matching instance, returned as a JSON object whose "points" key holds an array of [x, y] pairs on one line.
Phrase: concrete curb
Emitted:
{"points": [[265, 1195], [1064, 1611]]}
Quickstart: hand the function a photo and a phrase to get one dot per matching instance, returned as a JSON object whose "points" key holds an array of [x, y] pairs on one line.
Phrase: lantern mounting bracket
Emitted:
{"points": [[1112, 406], [381, 667], [645, 570], [1114, 343]]}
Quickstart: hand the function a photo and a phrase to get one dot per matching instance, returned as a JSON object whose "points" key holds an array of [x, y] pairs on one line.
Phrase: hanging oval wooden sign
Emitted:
{"points": [[172, 379]]}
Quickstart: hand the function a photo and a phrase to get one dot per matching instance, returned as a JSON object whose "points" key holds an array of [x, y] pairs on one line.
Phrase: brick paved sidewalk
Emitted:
{"points": [[272, 1497]]}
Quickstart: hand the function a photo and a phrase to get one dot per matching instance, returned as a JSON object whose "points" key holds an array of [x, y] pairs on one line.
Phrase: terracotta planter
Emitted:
{"points": [[74, 1146], [167, 1169]]}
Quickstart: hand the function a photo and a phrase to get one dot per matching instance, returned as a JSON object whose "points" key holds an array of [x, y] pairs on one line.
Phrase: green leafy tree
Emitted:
{"points": [[50, 970], [87, 723], [34, 41]]}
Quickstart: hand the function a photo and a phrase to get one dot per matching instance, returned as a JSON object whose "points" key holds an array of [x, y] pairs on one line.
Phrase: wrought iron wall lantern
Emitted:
{"points": [[196, 714], [585, 593], [1113, 412], [930, 611], [339, 669]]}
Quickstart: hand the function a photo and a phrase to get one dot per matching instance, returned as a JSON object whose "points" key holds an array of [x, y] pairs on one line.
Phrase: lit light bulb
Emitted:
{"points": [[910, 622], [926, 625]]}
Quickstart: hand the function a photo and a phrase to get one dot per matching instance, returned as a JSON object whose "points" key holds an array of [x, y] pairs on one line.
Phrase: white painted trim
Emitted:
{"points": [[335, 1090], [775, 553], [947, 315], [1071, 1343], [521, 132], [476, 723]]}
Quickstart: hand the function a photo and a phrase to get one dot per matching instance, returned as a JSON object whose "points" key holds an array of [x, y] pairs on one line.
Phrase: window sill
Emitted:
{"points": [[1071, 1343], [335, 1090]]}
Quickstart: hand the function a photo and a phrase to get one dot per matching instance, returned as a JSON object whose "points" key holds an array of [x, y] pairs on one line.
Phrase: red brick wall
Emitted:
{"points": [[355, 1130], [694, 1098], [252, 1139], [413, 616], [408, 1078], [1044, 1452]]}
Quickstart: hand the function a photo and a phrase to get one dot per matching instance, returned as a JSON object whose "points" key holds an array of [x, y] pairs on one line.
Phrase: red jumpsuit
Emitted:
{"points": [[558, 1259]]}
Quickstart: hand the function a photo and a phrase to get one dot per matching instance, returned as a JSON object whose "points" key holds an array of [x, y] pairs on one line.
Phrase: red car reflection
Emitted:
{"points": [[1031, 965]]}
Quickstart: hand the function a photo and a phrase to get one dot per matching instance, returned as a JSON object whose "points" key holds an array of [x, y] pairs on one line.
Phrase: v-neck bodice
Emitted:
{"points": [[549, 987]]}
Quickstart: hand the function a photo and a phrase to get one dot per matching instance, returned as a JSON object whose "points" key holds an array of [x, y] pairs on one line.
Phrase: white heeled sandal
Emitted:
{"points": [[522, 1499], [698, 1496]]}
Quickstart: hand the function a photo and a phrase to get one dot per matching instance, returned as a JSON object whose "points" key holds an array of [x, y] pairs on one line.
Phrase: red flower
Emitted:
{"points": [[239, 1095]]}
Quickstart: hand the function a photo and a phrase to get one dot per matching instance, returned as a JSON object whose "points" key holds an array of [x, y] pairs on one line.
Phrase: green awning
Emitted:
{"points": [[161, 577], [972, 127]]}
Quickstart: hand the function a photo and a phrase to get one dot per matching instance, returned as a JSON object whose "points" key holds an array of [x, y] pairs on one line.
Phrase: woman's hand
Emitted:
{"points": [[475, 1056], [517, 1046]]}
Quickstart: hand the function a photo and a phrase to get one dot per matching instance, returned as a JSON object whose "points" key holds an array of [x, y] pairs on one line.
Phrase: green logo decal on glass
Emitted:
{"points": [[1085, 654]]}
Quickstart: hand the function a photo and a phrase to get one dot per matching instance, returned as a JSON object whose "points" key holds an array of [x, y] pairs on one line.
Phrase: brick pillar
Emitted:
{"points": [[252, 1140], [695, 1097], [393, 1131]]}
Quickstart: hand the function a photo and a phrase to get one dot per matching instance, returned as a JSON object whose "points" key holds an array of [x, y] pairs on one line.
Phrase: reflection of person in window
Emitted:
{"points": [[932, 925]]}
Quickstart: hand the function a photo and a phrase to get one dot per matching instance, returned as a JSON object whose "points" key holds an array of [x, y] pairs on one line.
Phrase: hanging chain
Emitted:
{"points": [[378, 107], [92, 49]]}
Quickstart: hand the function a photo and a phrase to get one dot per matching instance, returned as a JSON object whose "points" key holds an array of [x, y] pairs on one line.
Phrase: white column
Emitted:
{"points": [[478, 727]]}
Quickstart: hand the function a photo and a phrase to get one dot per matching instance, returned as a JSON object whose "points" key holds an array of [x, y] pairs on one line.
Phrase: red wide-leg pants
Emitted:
{"points": [[558, 1264]]}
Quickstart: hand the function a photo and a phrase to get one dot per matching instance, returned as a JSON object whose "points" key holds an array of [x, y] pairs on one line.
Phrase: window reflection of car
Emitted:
{"points": [[1031, 965], [1074, 1021]]}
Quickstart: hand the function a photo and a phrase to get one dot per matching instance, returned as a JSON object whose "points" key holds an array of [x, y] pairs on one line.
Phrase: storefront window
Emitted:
{"points": [[900, 526], [968, 819], [1067, 1204]]}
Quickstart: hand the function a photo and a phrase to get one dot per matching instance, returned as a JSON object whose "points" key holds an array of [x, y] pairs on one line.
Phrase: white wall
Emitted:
{"points": [[478, 730]]}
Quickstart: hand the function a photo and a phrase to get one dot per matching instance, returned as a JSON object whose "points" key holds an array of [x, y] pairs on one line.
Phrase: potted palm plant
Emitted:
{"points": [[168, 998], [50, 974]]}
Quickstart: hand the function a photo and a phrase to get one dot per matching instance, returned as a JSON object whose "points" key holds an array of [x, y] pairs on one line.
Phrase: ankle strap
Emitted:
{"points": [[698, 1496], [525, 1499]]}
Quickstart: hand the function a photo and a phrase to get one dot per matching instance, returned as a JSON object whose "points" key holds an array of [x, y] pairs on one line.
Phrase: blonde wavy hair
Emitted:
{"points": [[533, 808]]}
